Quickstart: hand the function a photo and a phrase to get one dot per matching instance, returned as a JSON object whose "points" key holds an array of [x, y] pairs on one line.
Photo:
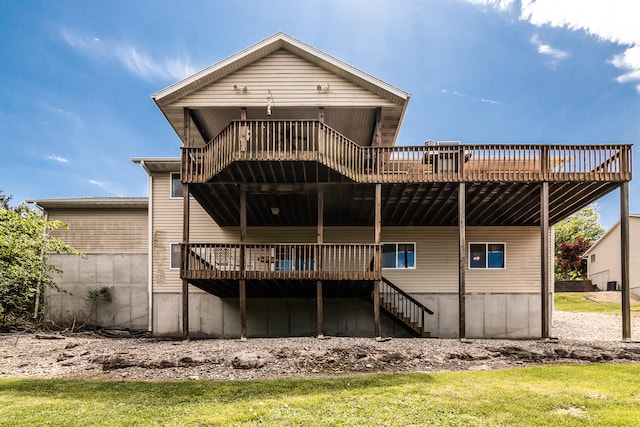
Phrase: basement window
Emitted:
{"points": [[398, 255], [174, 256], [176, 186], [487, 255]]}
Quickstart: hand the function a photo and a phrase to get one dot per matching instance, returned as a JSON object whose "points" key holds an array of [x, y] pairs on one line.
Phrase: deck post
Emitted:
{"points": [[624, 260], [243, 309], [183, 261], [544, 259], [462, 264], [376, 283], [319, 309], [243, 283]]}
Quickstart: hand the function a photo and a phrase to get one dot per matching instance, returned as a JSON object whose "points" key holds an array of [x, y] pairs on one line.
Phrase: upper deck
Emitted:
{"points": [[287, 151]]}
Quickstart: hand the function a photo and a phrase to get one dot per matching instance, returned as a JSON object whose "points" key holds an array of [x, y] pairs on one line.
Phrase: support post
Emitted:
{"points": [[187, 127], [243, 283], [624, 260], [544, 259], [319, 309], [183, 261], [243, 309], [462, 264], [377, 229], [320, 240]]}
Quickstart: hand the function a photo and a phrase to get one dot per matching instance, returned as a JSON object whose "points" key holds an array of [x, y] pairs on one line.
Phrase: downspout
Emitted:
{"points": [[45, 217], [149, 248]]}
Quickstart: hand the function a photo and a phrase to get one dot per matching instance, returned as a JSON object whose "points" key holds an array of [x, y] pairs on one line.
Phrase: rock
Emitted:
{"points": [[249, 360], [64, 356], [48, 337], [71, 345], [113, 363], [562, 353]]}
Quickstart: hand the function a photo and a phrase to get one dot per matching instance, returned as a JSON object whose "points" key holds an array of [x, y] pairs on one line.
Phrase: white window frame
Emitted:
{"points": [[171, 245], [486, 251], [396, 257], [171, 186]]}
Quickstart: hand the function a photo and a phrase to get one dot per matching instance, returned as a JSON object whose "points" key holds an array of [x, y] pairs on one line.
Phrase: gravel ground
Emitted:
{"points": [[583, 338]]}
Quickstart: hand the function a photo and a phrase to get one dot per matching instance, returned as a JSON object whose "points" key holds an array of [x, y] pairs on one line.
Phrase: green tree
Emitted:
{"points": [[24, 254], [576, 233]]}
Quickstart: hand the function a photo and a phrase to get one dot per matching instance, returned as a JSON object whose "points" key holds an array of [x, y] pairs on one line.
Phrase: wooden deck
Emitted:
{"points": [[312, 141]]}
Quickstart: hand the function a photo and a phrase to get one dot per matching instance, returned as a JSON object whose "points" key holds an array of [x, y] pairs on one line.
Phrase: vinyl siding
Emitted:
{"points": [[607, 254], [436, 248], [103, 231], [293, 82]]}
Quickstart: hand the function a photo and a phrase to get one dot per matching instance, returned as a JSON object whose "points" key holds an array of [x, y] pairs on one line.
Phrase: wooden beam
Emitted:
{"points": [[624, 258], [243, 284], [187, 128], [462, 263], [319, 300], [243, 309], [183, 263], [544, 259], [319, 308], [377, 261]]}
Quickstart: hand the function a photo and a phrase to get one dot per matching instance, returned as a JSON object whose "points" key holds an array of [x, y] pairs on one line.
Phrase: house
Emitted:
{"points": [[603, 259], [292, 211]]}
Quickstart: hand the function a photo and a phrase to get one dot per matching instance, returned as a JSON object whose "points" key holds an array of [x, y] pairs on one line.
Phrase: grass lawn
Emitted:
{"points": [[577, 302], [605, 395]]}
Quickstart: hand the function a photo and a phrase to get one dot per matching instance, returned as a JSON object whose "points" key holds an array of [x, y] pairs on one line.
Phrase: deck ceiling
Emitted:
{"points": [[426, 204]]}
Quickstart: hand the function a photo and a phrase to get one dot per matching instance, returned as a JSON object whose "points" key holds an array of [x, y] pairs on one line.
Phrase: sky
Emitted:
{"points": [[76, 76]]}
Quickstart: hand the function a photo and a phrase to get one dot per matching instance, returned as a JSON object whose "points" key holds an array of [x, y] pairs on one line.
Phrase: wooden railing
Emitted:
{"points": [[405, 308], [328, 261], [311, 140]]}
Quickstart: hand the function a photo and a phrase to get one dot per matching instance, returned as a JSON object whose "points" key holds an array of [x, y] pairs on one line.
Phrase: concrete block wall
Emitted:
{"points": [[487, 315], [124, 274]]}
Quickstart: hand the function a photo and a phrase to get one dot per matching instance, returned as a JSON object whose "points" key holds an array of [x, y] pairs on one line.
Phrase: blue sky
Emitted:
{"points": [[76, 76]]}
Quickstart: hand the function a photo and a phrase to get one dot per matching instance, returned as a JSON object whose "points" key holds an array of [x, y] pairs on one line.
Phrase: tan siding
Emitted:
{"points": [[103, 231], [292, 82], [522, 272]]}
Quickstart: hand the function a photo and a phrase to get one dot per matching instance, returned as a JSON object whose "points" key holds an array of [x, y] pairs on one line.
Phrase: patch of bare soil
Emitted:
{"points": [[608, 296]]}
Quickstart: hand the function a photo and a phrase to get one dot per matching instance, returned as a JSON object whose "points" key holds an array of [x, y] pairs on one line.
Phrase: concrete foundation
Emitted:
{"points": [[487, 315], [213, 317], [124, 274]]}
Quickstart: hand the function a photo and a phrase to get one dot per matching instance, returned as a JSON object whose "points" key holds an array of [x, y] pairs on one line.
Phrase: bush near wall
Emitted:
{"points": [[574, 286]]}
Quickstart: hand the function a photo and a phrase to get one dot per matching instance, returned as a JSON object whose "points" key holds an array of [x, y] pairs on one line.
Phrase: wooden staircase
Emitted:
{"points": [[406, 310]]}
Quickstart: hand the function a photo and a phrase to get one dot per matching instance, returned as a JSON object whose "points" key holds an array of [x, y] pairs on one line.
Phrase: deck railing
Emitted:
{"points": [[311, 140], [403, 307], [328, 261]]}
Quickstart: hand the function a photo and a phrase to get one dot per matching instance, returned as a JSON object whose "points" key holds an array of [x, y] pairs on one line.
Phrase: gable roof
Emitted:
{"points": [[266, 47]]}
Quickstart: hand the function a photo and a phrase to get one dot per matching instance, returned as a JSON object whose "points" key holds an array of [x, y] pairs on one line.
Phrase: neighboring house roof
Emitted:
{"points": [[265, 48], [93, 202], [609, 231]]}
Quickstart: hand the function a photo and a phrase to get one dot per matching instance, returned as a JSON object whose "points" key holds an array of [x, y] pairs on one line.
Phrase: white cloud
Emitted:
{"points": [[127, 55], [496, 4], [545, 49], [57, 158], [614, 21], [464, 95], [98, 183], [106, 186]]}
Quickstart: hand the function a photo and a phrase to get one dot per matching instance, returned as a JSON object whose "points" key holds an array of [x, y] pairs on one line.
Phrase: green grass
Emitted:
{"points": [[576, 302], [605, 395]]}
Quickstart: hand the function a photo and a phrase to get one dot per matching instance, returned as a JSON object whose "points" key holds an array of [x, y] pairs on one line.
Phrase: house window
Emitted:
{"points": [[593, 257], [174, 256], [176, 186], [399, 255], [487, 255]]}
